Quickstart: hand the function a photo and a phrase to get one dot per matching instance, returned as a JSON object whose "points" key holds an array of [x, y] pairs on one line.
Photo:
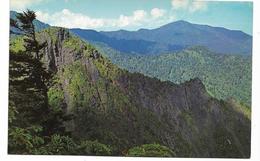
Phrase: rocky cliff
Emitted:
{"points": [[125, 109]]}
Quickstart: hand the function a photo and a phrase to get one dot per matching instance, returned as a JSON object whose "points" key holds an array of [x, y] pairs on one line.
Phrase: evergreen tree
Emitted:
{"points": [[31, 119]]}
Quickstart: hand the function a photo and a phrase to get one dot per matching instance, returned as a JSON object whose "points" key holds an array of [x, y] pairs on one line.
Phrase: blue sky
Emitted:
{"points": [[135, 14]]}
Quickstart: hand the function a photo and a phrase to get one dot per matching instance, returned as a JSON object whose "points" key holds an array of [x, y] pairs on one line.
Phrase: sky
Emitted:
{"points": [[110, 15]]}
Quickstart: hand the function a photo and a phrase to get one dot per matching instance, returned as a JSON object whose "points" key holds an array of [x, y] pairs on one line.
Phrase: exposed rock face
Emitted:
{"points": [[54, 52], [193, 114], [126, 109]]}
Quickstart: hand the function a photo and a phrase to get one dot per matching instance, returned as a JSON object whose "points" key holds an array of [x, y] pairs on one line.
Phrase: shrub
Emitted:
{"points": [[151, 150], [93, 148]]}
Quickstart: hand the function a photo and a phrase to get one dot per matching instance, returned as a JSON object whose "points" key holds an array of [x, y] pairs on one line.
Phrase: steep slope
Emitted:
{"points": [[123, 109], [223, 75], [172, 37]]}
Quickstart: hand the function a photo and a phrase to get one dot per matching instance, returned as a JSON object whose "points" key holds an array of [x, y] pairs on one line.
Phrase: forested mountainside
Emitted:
{"points": [[121, 110], [171, 37], [224, 76]]}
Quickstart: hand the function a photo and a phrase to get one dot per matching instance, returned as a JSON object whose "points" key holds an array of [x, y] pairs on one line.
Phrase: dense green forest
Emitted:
{"points": [[37, 117], [225, 76], [67, 98]]}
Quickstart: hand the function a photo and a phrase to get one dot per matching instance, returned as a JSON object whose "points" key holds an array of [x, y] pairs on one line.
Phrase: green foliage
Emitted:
{"points": [[94, 148], [17, 44], [50, 32], [223, 75], [241, 107], [77, 80], [107, 69], [26, 96], [97, 102], [112, 117], [93, 97], [12, 112], [56, 97], [74, 43], [25, 103], [58, 145], [151, 150], [24, 141], [31, 120]]}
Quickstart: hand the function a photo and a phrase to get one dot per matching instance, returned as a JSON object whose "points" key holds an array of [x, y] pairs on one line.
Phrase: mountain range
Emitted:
{"points": [[171, 37], [122, 108]]}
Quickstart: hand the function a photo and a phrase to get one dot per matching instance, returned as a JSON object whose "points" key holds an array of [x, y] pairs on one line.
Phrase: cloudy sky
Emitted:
{"points": [[135, 14]]}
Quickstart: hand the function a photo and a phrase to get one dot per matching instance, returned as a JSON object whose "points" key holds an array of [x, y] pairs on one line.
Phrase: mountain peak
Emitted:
{"points": [[179, 22], [177, 25], [176, 36]]}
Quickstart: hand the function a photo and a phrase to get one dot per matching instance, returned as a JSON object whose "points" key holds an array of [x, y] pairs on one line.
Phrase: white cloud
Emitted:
{"points": [[139, 15], [189, 5], [138, 18], [180, 4], [156, 12], [69, 19], [198, 6], [44, 17], [22, 4], [123, 21]]}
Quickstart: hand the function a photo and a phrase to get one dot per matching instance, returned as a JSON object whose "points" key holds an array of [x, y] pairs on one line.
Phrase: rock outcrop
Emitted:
{"points": [[126, 109]]}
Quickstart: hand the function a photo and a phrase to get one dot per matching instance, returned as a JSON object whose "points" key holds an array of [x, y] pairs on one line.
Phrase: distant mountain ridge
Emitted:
{"points": [[172, 37]]}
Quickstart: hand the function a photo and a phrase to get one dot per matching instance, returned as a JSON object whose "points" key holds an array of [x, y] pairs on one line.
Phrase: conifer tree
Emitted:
{"points": [[31, 119], [31, 74]]}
